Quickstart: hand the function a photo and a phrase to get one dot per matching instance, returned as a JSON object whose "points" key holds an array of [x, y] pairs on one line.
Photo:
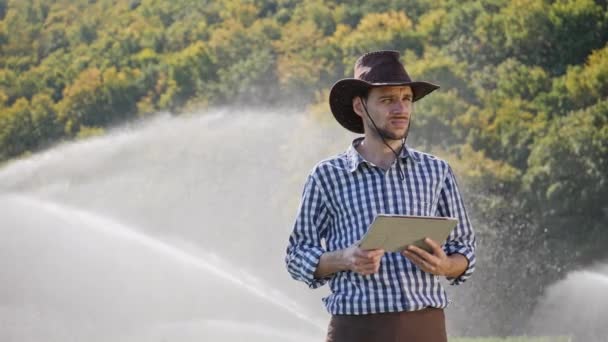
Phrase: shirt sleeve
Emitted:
{"points": [[305, 249], [462, 239]]}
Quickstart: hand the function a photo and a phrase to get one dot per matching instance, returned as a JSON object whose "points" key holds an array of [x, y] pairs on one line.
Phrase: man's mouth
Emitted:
{"points": [[399, 121]]}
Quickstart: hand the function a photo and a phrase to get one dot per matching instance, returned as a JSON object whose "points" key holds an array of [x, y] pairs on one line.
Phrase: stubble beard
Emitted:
{"points": [[388, 135]]}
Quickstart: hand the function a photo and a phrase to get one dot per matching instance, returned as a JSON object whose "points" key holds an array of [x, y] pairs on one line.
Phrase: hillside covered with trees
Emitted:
{"points": [[522, 113]]}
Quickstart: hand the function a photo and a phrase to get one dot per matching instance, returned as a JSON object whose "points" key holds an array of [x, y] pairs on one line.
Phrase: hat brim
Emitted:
{"points": [[342, 94]]}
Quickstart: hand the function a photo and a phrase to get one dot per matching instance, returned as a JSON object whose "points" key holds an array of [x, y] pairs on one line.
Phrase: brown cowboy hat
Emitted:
{"points": [[374, 69]]}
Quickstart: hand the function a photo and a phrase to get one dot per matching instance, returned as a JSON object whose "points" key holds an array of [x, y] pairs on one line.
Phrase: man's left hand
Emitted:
{"points": [[437, 263]]}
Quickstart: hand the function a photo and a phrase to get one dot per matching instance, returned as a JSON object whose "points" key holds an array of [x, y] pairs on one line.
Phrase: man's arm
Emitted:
{"points": [[456, 260], [305, 249], [306, 258], [462, 240]]}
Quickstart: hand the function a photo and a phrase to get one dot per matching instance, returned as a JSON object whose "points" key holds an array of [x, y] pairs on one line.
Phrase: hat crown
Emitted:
{"points": [[381, 67]]}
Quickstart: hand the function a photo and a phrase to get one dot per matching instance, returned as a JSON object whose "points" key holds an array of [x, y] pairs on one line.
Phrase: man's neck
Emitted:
{"points": [[375, 151]]}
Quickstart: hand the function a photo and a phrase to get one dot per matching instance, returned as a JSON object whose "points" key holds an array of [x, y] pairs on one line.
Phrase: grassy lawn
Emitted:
{"points": [[511, 339]]}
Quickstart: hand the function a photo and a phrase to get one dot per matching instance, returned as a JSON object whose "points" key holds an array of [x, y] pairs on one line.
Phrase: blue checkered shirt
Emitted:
{"points": [[342, 196]]}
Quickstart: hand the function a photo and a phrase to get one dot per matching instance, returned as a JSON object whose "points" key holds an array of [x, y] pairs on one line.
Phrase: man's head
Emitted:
{"points": [[374, 73]]}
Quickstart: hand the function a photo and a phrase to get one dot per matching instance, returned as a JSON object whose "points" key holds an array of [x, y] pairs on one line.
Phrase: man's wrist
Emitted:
{"points": [[457, 265], [332, 262], [343, 260]]}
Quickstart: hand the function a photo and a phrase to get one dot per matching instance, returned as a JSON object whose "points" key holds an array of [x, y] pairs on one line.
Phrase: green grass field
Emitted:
{"points": [[511, 339]]}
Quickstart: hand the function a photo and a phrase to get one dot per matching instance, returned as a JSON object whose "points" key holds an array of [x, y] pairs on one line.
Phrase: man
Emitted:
{"points": [[378, 296]]}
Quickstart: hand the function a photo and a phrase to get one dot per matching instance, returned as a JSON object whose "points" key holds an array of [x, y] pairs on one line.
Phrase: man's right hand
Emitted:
{"points": [[364, 262], [353, 258]]}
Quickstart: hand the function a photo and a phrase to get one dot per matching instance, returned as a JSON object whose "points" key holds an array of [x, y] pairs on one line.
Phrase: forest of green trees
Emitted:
{"points": [[523, 109]]}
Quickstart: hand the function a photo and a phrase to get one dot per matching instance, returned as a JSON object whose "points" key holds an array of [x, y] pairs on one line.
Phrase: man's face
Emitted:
{"points": [[390, 108]]}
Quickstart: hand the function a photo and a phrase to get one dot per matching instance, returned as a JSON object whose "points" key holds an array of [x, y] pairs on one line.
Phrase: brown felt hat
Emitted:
{"points": [[374, 69]]}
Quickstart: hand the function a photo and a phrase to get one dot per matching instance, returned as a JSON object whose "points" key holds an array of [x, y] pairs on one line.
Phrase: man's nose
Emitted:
{"points": [[402, 107]]}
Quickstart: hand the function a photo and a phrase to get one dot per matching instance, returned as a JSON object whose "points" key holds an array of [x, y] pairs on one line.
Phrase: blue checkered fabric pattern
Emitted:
{"points": [[341, 197]]}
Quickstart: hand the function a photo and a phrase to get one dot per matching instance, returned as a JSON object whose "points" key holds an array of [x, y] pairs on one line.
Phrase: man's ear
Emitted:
{"points": [[358, 106]]}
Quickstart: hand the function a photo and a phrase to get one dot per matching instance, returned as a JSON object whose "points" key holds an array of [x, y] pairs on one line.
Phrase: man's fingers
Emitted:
{"points": [[423, 264], [412, 256], [377, 252], [362, 262], [362, 254], [367, 266], [368, 269], [437, 250], [366, 261], [369, 256], [421, 253], [375, 258], [369, 253]]}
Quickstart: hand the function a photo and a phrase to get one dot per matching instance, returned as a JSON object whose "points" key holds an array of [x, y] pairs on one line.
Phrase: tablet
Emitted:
{"points": [[394, 233]]}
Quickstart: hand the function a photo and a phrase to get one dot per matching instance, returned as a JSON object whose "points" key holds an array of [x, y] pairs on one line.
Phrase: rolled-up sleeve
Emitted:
{"points": [[305, 243], [462, 239]]}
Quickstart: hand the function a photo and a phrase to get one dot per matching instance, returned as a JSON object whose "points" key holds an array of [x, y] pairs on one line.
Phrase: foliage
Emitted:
{"points": [[580, 141]]}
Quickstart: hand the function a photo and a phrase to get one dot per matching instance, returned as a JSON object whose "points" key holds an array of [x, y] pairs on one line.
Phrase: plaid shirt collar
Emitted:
{"points": [[355, 158]]}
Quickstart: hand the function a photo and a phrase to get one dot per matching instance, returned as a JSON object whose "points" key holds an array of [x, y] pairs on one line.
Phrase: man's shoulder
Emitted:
{"points": [[336, 161], [428, 159]]}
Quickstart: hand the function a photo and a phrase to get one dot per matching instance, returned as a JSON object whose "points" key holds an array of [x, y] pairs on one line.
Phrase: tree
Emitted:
{"points": [[436, 66], [434, 122], [245, 62], [45, 126], [505, 129], [516, 80], [568, 166], [566, 184], [97, 99], [301, 58], [3, 8], [16, 130], [553, 35], [192, 71], [381, 31], [457, 32], [587, 84], [81, 100], [581, 86]]}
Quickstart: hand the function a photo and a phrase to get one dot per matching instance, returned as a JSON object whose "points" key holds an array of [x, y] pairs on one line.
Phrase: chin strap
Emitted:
{"points": [[398, 159]]}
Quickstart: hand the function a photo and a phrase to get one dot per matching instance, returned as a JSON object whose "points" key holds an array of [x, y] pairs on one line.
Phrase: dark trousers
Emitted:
{"points": [[426, 325]]}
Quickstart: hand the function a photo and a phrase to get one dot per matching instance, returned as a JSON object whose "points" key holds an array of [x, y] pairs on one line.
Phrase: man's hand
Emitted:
{"points": [[353, 258], [437, 263], [364, 262]]}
